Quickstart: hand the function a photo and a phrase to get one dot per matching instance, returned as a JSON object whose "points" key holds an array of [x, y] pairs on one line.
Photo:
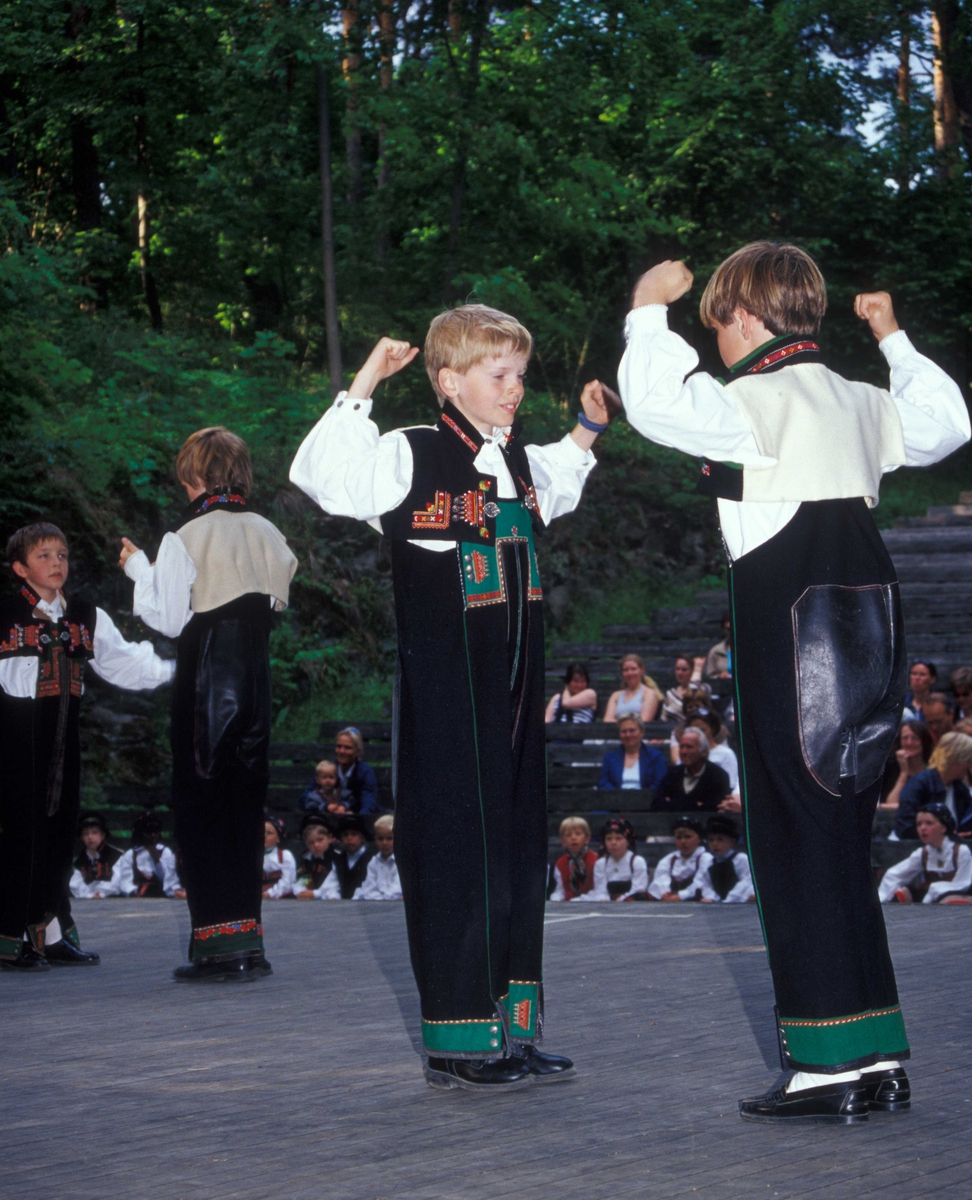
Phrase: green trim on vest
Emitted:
{"points": [[840, 1040], [448, 1039], [482, 566]]}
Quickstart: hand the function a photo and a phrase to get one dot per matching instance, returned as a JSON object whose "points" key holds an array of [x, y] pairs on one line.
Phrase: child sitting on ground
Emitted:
{"points": [[940, 867], [381, 881], [677, 875], [574, 871], [724, 875], [619, 872], [318, 835], [279, 867], [148, 869], [325, 789], [93, 865], [351, 865]]}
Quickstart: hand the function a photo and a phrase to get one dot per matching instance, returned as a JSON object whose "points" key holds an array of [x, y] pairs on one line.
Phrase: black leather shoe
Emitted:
{"points": [[887, 1091], [545, 1068], [260, 965], [231, 970], [29, 960], [63, 954], [833, 1104], [477, 1076]]}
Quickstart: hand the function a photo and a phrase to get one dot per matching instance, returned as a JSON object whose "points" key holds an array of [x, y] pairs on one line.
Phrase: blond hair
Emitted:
{"points": [[569, 823], [645, 678], [326, 762], [217, 460], [464, 337], [776, 282], [385, 823], [953, 748]]}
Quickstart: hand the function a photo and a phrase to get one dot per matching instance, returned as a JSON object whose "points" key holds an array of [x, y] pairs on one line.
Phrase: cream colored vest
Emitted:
{"points": [[236, 554], [832, 439]]}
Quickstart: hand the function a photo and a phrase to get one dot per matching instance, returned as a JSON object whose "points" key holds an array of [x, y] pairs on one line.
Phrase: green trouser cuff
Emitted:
{"points": [[226, 940], [463, 1039], [11, 948], [521, 1003], [72, 936], [842, 1043]]}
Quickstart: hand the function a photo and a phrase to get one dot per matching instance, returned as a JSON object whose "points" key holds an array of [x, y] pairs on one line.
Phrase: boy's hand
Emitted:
{"points": [[663, 284], [128, 549], [387, 359], [876, 308], [599, 402]]}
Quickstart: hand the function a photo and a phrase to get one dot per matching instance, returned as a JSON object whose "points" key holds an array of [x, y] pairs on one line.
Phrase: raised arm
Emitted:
{"points": [[131, 665], [162, 589]]}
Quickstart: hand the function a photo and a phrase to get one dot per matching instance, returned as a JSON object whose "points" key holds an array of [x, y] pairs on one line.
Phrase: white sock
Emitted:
{"points": [[52, 934], [886, 1064], [806, 1079]]}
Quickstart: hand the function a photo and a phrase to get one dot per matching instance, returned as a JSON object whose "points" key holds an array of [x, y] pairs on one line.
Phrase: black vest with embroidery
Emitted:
{"points": [[62, 647], [449, 499]]}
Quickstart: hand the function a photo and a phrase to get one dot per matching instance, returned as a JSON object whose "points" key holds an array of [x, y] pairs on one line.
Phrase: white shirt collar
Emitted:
{"points": [[53, 608]]}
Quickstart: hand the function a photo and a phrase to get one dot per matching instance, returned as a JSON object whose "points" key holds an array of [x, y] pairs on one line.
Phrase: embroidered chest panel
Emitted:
{"points": [[484, 570], [470, 509], [61, 647]]}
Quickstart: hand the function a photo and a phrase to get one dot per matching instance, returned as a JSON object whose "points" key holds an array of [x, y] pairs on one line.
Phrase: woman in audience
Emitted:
{"points": [[576, 703], [940, 784], [358, 783], [921, 680], [701, 694], [675, 876], [279, 865], [619, 872], [640, 696], [635, 765], [961, 681], [909, 757], [939, 868]]}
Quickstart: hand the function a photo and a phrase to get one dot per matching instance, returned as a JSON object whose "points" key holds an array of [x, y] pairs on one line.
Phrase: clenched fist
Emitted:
{"points": [[600, 404], [387, 359], [665, 283], [876, 308]]}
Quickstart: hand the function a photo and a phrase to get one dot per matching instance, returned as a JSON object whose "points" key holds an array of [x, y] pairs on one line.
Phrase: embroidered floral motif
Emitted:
{"points": [[776, 356], [469, 507], [458, 432], [435, 515], [477, 566], [220, 498], [227, 929], [706, 469], [521, 1013]]}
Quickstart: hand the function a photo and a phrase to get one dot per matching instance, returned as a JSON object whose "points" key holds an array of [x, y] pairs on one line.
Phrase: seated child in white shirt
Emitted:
{"points": [[940, 868], [724, 875], [677, 875], [381, 882], [149, 868], [279, 866], [95, 861], [619, 873], [574, 871]]}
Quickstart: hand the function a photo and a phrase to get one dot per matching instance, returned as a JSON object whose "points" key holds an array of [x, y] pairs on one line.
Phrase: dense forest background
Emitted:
{"points": [[210, 210]]}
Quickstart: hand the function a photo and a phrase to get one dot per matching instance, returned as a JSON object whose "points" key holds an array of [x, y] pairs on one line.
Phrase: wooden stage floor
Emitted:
{"points": [[117, 1081]]}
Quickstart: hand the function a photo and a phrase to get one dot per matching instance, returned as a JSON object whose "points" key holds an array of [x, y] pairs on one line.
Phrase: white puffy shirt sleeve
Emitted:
{"points": [[131, 665], [559, 472], [898, 875], [696, 415], [934, 416], [163, 588], [348, 468], [170, 873]]}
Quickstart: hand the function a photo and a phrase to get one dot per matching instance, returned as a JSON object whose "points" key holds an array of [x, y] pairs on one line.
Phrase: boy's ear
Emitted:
{"points": [[19, 569], [448, 382]]}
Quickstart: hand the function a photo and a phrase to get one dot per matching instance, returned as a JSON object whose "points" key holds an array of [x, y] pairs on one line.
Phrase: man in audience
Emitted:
{"points": [[937, 715], [961, 682], [694, 784]]}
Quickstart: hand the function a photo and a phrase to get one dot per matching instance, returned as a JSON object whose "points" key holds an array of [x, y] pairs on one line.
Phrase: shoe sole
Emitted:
{"points": [[247, 977], [445, 1083], [554, 1076], [890, 1106], [53, 962], [822, 1119]]}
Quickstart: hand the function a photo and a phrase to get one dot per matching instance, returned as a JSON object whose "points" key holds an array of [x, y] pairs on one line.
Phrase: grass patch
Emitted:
{"points": [[632, 603], [357, 698]]}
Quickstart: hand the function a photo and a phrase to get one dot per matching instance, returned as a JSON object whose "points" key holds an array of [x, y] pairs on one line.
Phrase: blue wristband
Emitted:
{"points": [[584, 419]]}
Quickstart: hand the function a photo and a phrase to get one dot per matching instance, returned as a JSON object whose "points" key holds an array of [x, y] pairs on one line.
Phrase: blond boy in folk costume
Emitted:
{"points": [[795, 455], [460, 502], [215, 585]]}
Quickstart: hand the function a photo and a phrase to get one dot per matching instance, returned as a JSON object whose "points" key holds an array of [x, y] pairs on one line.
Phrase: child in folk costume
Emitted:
{"points": [[351, 862], [318, 833], [148, 869], [795, 455], [381, 881], [724, 876], [619, 873], [215, 584], [46, 642], [279, 865], [95, 860], [677, 875], [460, 502], [574, 871], [941, 867]]}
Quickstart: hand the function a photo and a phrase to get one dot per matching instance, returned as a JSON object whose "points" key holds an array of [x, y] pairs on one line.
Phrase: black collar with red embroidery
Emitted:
{"points": [[464, 433], [790, 349], [227, 501]]}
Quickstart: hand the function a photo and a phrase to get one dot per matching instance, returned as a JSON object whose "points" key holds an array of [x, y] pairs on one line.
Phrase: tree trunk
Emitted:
{"points": [[84, 175], [332, 330], [387, 35], [349, 69], [904, 106], [946, 114], [149, 290]]}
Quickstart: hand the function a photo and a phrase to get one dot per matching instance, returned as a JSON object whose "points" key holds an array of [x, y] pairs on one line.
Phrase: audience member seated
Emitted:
{"points": [[720, 753], [95, 860], [576, 703], [574, 871], [359, 787], [634, 764], [936, 713], [724, 874], [940, 867], [674, 707], [279, 866], [695, 785], [718, 662], [317, 832], [351, 862], [909, 757], [921, 680], [324, 790], [148, 869], [640, 696], [618, 872], [676, 876], [381, 880], [942, 783], [961, 683]]}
